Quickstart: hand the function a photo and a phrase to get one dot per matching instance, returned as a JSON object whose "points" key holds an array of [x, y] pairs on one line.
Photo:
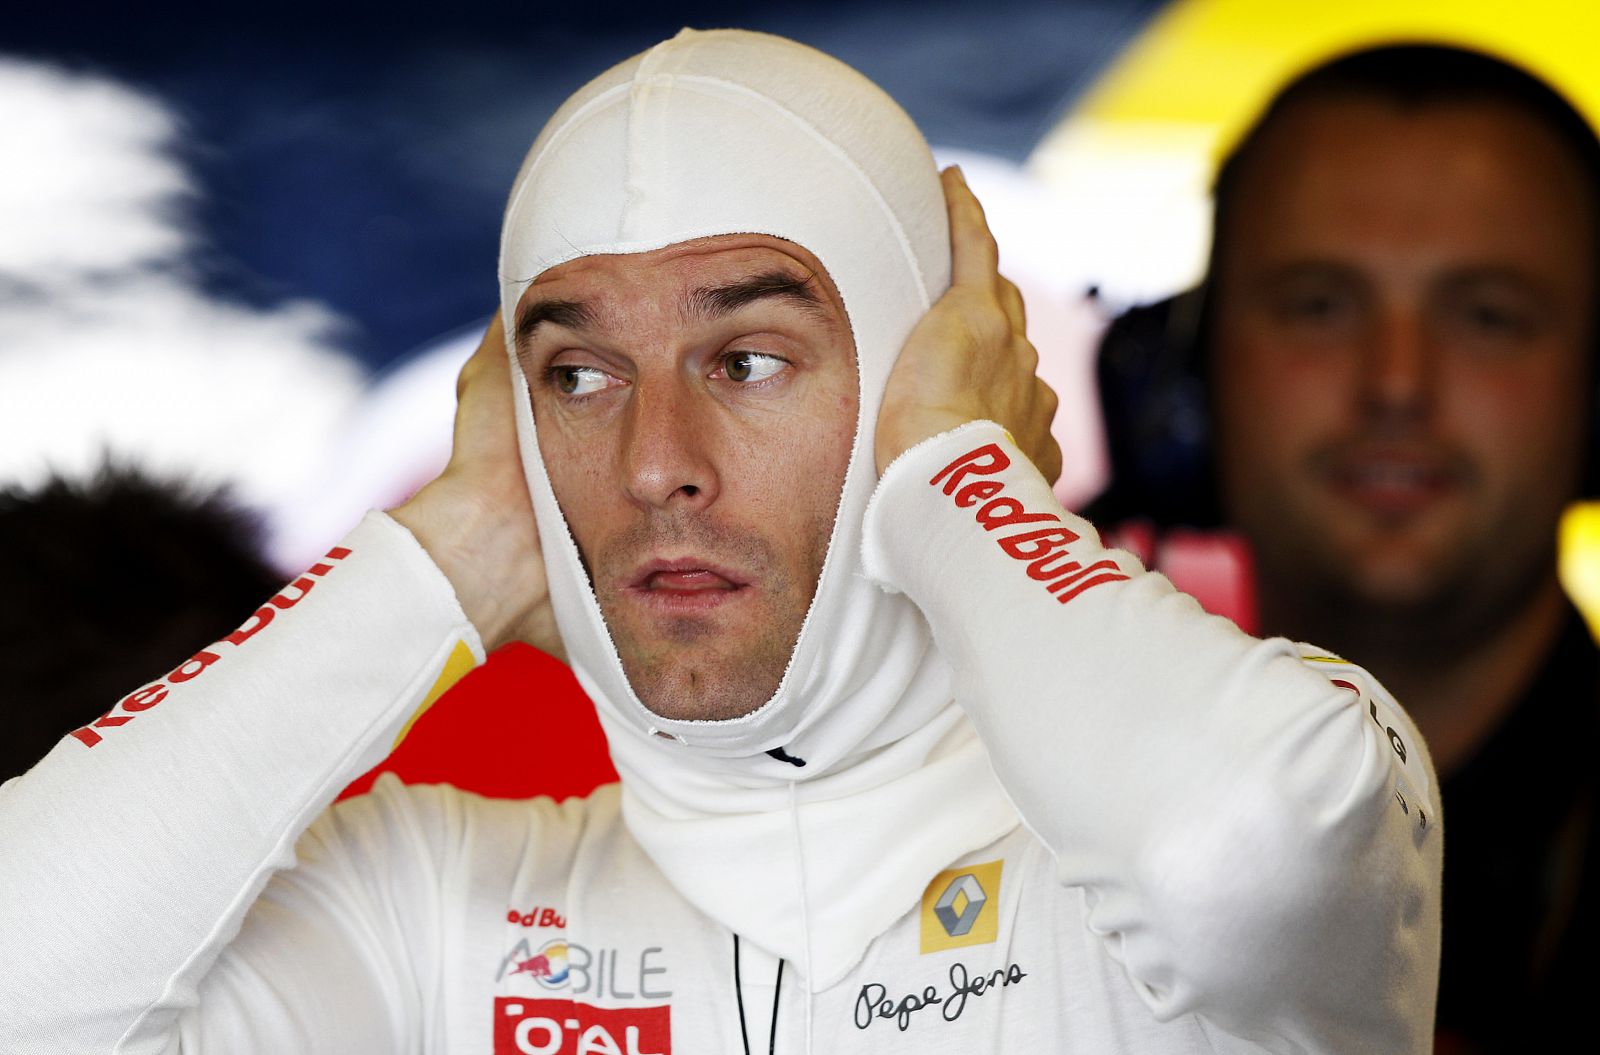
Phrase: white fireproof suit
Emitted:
{"points": [[1014, 794]]}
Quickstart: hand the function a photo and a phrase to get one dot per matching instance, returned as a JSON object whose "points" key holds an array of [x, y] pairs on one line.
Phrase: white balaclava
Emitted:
{"points": [[729, 132]]}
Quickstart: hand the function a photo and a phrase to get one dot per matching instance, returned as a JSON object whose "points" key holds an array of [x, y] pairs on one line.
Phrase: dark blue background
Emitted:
{"points": [[361, 156]]}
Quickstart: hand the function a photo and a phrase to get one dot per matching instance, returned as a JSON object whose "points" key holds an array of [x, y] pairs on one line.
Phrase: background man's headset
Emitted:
{"points": [[1162, 501], [1155, 405]]}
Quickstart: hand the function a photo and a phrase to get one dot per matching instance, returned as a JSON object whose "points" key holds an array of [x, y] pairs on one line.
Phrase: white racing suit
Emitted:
{"points": [[1226, 844]]}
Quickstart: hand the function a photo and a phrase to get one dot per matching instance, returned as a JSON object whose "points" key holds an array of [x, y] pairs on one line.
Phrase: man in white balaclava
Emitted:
{"points": [[909, 762]]}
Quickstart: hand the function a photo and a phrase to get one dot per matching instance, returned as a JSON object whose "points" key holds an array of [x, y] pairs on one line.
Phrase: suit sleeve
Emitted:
{"points": [[135, 849], [1254, 822]]}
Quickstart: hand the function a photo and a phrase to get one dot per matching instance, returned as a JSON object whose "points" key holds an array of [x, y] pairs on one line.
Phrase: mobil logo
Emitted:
{"points": [[579, 970], [566, 1027]]}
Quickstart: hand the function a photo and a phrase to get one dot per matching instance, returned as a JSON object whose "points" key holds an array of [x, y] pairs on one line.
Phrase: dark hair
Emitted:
{"points": [[1414, 76], [106, 584], [1153, 367]]}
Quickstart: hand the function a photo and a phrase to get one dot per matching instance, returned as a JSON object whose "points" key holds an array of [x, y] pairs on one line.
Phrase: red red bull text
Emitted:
{"points": [[1045, 549], [144, 699], [537, 917]]}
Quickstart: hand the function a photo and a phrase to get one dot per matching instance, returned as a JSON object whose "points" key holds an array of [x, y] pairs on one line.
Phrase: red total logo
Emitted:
{"points": [[566, 1027]]}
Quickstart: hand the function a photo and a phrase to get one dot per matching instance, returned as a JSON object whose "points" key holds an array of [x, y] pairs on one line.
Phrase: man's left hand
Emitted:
{"points": [[969, 358]]}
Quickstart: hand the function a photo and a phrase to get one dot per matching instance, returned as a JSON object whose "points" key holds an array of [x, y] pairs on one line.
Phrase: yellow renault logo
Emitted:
{"points": [[962, 907]]}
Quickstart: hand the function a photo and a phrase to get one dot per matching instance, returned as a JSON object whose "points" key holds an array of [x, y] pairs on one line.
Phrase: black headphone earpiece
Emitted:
{"points": [[1154, 406]]}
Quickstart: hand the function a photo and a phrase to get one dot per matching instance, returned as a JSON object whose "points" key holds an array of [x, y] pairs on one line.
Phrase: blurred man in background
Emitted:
{"points": [[1396, 344]]}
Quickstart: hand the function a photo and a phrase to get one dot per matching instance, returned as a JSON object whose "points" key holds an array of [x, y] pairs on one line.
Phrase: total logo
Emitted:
{"points": [[566, 1027], [548, 966]]}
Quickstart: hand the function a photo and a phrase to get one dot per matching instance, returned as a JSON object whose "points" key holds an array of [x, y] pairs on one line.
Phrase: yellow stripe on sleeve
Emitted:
{"points": [[460, 661]]}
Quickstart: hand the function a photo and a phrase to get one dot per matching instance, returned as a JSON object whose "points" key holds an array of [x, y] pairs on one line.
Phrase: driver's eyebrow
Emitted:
{"points": [[573, 314], [714, 302]]}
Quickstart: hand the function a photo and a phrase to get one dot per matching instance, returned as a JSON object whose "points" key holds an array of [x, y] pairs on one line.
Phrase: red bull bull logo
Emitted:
{"points": [[548, 966]]}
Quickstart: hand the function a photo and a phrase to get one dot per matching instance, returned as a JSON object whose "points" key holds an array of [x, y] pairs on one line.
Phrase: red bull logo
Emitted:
{"points": [[537, 917], [1046, 551], [548, 966], [138, 702]]}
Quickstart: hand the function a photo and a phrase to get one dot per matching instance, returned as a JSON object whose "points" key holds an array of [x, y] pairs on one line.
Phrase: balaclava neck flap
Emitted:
{"points": [[728, 132]]}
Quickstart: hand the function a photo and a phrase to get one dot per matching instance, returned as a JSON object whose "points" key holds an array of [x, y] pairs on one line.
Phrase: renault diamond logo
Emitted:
{"points": [[961, 904]]}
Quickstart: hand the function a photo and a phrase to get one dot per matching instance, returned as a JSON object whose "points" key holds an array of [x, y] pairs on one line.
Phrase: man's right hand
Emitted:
{"points": [[476, 520]]}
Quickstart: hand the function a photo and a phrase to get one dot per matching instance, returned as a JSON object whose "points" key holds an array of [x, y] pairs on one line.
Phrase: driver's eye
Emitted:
{"points": [[751, 366], [577, 380]]}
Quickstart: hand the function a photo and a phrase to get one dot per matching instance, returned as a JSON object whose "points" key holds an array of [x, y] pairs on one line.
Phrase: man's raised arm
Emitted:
{"points": [[1255, 824], [130, 855]]}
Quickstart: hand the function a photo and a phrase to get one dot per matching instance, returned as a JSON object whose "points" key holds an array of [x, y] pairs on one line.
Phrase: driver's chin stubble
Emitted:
{"points": [[706, 667]]}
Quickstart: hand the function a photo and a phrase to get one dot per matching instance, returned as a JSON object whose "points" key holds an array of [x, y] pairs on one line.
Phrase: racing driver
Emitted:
{"points": [[910, 763]]}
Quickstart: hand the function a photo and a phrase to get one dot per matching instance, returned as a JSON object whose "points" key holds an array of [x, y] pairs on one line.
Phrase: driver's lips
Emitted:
{"points": [[685, 584]]}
